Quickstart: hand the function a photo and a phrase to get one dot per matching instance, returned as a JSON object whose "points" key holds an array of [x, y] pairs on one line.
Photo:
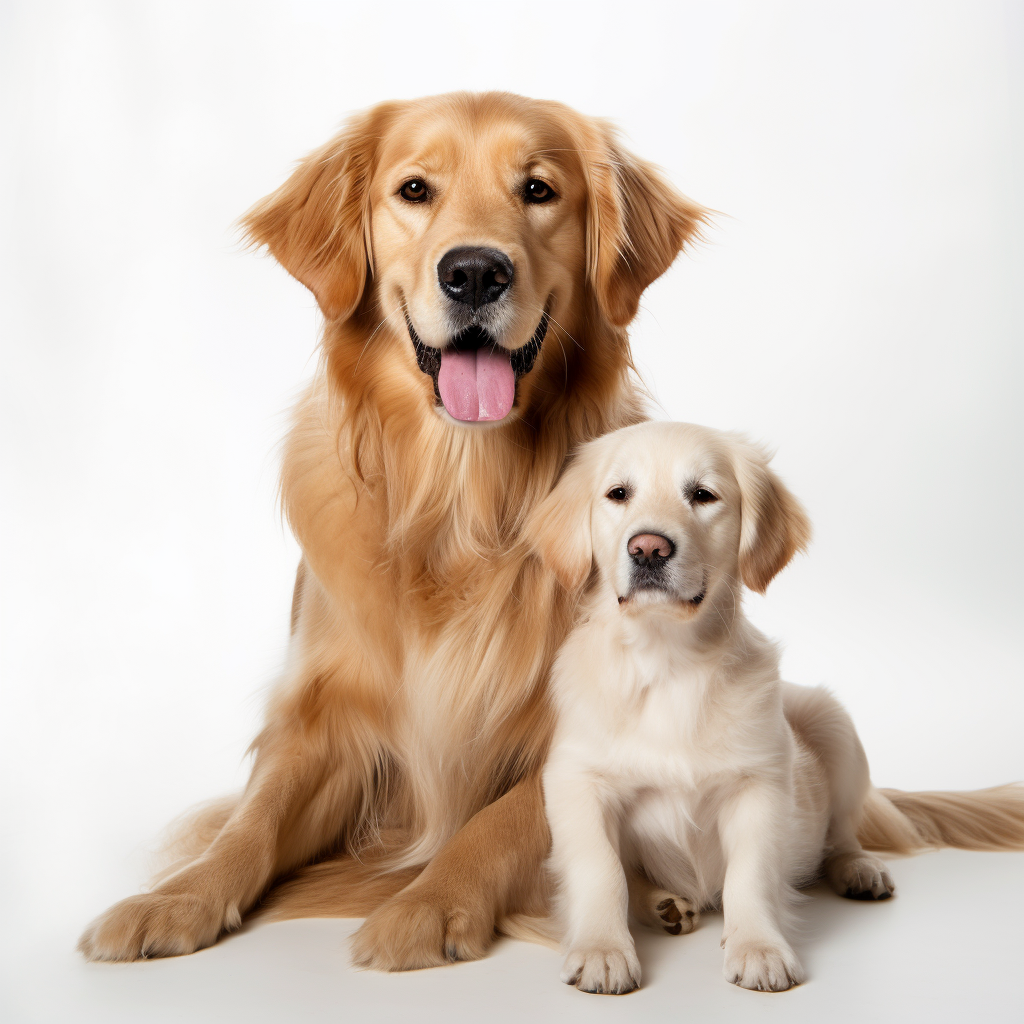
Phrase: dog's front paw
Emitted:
{"points": [[156, 924], [418, 928], [766, 966], [609, 971]]}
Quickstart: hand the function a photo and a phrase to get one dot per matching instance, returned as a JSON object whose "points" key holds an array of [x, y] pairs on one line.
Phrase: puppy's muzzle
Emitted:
{"points": [[650, 553]]}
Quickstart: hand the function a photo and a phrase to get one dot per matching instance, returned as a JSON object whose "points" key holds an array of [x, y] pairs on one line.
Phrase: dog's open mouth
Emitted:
{"points": [[475, 378]]}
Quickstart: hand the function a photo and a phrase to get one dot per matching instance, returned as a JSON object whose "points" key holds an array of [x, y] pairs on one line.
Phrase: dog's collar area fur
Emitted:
{"points": [[428, 358]]}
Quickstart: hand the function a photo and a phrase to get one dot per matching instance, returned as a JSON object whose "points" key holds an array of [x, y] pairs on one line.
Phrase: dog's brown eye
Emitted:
{"points": [[414, 191], [702, 496], [617, 494], [536, 191]]}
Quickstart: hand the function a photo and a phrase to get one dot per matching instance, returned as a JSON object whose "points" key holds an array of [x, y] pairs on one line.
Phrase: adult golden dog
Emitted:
{"points": [[477, 259]]}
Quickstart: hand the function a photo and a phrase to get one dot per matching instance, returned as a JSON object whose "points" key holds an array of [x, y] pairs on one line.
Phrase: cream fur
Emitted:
{"points": [[679, 754]]}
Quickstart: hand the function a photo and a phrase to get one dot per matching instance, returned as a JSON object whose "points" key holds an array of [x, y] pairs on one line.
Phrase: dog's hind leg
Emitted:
{"points": [[823, 725], [303, 796]]}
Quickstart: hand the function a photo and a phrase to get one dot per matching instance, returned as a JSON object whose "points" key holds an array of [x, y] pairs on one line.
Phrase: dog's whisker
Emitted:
{"points": [[373, 334]]}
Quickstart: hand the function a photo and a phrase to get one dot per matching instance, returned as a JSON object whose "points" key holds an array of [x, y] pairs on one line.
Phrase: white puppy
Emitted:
{"points": [[684, 774]]}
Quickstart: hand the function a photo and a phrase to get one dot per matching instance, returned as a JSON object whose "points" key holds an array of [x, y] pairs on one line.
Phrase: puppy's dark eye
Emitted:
{"points": [[617, 494], [414, 190], [702, 496], [537, 191]]}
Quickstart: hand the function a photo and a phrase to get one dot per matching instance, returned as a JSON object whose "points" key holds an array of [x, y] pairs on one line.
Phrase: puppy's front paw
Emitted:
{"points": [[764, 966], [607, 971]]}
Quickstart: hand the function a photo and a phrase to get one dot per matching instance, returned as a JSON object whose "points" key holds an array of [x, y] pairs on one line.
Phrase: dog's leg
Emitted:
{"points": [[296, 803], [600, 955], [757, 956], [658, 908], [491, 867]]}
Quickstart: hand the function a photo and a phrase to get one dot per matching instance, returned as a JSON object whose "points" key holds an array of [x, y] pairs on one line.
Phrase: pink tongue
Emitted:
{"points": [[477, 385]]}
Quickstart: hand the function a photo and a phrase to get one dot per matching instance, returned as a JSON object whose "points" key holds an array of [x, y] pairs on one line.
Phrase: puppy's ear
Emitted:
{"points": [[637, 222], [559, 527], [316, 225], [773, 524]]}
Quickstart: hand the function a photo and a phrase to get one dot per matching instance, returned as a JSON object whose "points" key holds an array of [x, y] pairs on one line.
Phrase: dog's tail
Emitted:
{"points": [[980, 819], [342, 887], [545, 931]]}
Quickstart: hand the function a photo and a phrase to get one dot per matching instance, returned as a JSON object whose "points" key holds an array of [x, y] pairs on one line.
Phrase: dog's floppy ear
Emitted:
{"points": [[637, 222], [773, 524], [559, 527], [316, 225]]}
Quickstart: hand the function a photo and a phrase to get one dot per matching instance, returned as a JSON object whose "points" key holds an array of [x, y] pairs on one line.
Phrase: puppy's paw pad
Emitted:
{"points": [[675, 915], [762, 966], [602, 971], [859, 876]]}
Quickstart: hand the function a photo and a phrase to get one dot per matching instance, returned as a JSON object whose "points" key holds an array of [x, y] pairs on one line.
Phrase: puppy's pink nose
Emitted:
{"points": [[646, 547]]}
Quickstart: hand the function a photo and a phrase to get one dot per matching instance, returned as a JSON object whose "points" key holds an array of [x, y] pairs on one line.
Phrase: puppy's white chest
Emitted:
{"points": [[657, 743], [662, 736]]}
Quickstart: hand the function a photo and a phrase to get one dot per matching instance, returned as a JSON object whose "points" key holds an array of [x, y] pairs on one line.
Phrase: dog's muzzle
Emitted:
{"points": [[475, 379]]}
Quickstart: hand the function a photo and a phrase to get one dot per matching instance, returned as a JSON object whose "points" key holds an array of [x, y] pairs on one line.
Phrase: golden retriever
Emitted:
{"points": [[476, 259], [683, 773]]}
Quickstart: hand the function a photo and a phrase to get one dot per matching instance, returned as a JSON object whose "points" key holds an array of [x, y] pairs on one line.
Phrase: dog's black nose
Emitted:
{"points": [[650, 549], [474, 276]]}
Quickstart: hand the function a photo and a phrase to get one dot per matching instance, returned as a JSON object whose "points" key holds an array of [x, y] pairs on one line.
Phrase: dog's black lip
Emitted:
{"points": [[428, 358]]}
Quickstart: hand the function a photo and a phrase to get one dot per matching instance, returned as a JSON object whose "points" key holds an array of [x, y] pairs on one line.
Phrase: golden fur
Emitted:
{"points": [[412, 721]]}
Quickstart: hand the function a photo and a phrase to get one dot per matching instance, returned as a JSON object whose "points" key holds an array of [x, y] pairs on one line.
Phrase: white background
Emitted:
{"points": [[858, 305]]}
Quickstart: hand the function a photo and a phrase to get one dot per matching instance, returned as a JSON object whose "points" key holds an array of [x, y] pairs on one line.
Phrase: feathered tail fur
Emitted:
{"points": [[980, 819]]}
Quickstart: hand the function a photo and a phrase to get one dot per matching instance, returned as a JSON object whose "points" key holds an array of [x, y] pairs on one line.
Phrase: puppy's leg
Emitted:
{"points": [[757, 956], [295, 804], [822, 724], [851, 871], [493, 866], [601, 956], [658, 908]]}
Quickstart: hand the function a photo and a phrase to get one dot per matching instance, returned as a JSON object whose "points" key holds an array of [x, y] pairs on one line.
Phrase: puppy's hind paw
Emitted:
{"points": [[859, 876], [675, 915]]}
